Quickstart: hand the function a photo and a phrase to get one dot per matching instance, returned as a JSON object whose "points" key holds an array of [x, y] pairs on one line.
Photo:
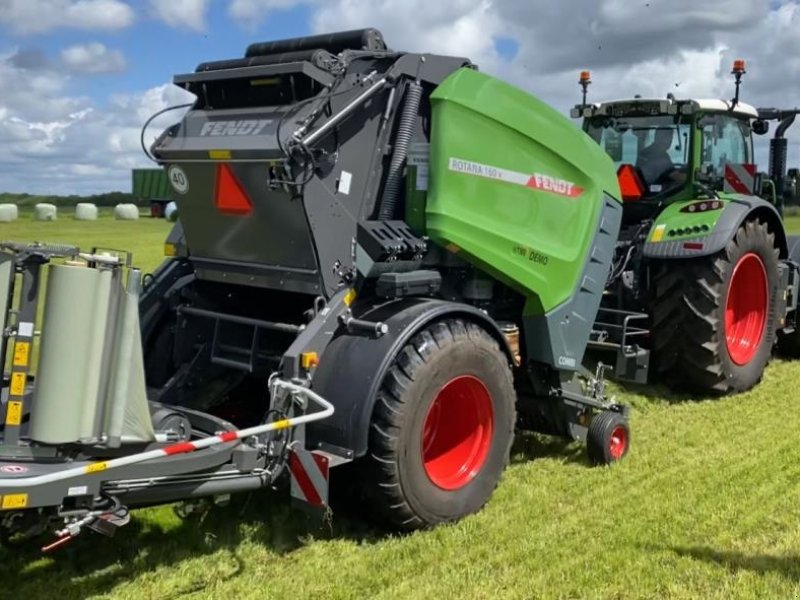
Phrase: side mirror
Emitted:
{"points": [[760, 127]]}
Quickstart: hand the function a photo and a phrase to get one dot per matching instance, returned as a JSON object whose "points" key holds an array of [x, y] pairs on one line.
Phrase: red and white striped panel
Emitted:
{"points": [[740, 178], [309, 473]]}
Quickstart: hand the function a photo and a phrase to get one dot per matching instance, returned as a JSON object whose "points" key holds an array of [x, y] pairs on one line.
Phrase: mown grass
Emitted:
{"points": [[705, 506]]}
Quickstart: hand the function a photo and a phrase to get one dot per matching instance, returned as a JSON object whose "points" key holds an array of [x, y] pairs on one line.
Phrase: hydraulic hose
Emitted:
{"points": [[405, 131]]}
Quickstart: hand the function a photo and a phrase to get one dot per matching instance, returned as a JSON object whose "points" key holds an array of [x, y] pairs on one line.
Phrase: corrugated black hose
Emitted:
{"points": [[405, 131]]}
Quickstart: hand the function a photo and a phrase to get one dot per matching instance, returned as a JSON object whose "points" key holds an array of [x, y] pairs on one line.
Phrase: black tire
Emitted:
{"points": [[608, 439], [396, 482], [690, 347]]}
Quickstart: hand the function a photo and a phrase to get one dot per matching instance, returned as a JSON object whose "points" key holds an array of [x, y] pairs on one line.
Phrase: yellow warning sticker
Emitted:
{"points": [[12, 501], [14, 413], [96, 467], [17, 384], [22, 351], [349, 297], [658, 233]]}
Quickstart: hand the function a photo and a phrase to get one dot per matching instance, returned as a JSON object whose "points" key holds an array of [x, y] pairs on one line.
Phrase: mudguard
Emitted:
{"points": [[676, 234], [352, 367]]}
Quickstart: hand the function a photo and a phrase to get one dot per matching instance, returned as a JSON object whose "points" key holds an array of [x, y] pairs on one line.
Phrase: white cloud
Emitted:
{"points": [[187, 14], [52, 142], [250, 13], [93, 58], [39, 16], [459, 27]]}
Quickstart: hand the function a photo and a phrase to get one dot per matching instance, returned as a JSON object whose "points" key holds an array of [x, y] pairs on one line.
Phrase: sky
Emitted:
{"points": [[78, 78]]}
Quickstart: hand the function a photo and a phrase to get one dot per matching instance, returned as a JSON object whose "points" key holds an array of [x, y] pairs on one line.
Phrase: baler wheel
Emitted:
{"points": [[608, 439], [442, 427], [714, 317]]}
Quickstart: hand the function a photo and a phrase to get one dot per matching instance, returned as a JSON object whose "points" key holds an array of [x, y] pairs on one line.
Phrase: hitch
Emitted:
{"points": [[103, 522]]}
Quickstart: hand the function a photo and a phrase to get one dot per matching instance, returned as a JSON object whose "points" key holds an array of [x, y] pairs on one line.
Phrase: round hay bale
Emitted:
{"points": [[45, 212], [126, 212], [86, 211], [171, 212], [8, 213]]}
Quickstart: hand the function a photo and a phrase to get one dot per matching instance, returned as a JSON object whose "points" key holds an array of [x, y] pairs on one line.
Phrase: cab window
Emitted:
{"points": [[725, 140]]}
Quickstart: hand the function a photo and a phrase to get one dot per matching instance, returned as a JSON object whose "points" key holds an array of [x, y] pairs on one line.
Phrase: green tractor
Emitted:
{"points": [[702, 248]]}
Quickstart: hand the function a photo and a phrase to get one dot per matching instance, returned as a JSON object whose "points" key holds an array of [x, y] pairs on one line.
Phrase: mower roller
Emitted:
{"points": [[381, 257], [702, 248]]}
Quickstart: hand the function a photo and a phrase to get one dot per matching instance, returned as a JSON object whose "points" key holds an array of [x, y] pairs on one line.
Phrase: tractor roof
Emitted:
{"points": [[665, 106]]}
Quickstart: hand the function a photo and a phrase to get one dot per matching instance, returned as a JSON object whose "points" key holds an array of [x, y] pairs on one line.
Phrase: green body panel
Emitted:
{"points": [[671, 224], [151, 184], [676, 225], [488, 139]]}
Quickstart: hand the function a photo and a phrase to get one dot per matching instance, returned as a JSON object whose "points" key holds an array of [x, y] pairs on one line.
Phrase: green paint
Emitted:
{"points": [[534, 240], [151, 184], [677, 225]]}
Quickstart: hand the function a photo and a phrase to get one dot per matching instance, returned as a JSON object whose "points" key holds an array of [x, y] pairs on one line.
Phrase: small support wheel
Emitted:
{"points": [[608, 439]]}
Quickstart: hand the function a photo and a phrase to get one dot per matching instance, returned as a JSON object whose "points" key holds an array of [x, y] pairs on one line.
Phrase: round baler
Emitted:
{"points": [[382, 258]]}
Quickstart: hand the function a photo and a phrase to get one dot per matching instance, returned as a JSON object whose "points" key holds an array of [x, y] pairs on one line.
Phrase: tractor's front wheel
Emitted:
{"points": [[714, 317], [442, 427]]}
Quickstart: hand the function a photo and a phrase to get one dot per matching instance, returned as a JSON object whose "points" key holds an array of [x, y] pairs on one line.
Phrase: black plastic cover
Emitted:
{"points": [[412, 283], [357, 39], [319, 58]]}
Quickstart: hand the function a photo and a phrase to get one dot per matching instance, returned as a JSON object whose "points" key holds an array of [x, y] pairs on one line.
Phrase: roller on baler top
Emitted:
{"points": [[381, 256]]}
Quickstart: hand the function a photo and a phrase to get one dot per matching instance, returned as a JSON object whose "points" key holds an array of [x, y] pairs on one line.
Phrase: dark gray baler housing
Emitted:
{"points": [[298, 238]]}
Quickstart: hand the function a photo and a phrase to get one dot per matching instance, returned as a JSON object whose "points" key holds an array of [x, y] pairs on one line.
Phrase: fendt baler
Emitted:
{"points": [[382, 257], [703, 249]]}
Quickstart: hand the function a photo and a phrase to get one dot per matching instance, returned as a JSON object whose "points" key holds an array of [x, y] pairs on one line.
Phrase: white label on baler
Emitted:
{"points": [[25, 329], [178, 179], [535, 181], [418, 156], [344, 182], [78, 490]]}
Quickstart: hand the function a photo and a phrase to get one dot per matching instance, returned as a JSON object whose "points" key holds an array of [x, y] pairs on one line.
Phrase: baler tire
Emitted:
{"points": [[407, 479], [608, 438], [690, 345]]}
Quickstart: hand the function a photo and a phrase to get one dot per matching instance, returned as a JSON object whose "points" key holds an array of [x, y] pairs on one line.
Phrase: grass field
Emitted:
{"points": [[706, 505]]}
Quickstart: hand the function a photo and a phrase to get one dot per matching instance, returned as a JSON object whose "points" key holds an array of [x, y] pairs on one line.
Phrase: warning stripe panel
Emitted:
{"points": [[309, 477], [740, 178]]}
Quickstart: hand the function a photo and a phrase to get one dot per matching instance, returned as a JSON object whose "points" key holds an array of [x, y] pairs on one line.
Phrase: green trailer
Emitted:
{"points": [[151, 188]]}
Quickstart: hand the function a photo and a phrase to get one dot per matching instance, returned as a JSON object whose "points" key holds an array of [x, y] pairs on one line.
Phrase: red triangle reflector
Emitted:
{"points": [[229, 196], [630, 183]]}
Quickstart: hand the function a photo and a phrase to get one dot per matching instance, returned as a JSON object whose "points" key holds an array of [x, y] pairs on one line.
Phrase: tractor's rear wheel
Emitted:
{"points": [[714, 317], [442, 427]]}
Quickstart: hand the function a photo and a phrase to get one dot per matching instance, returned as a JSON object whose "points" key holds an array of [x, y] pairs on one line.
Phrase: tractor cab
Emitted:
{"points": [[669, 150], [663, 148]]}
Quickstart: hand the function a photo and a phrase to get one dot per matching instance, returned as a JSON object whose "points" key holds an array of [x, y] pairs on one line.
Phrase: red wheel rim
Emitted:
{"points": [[457, 432], [746, 308], [618, 442]]}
